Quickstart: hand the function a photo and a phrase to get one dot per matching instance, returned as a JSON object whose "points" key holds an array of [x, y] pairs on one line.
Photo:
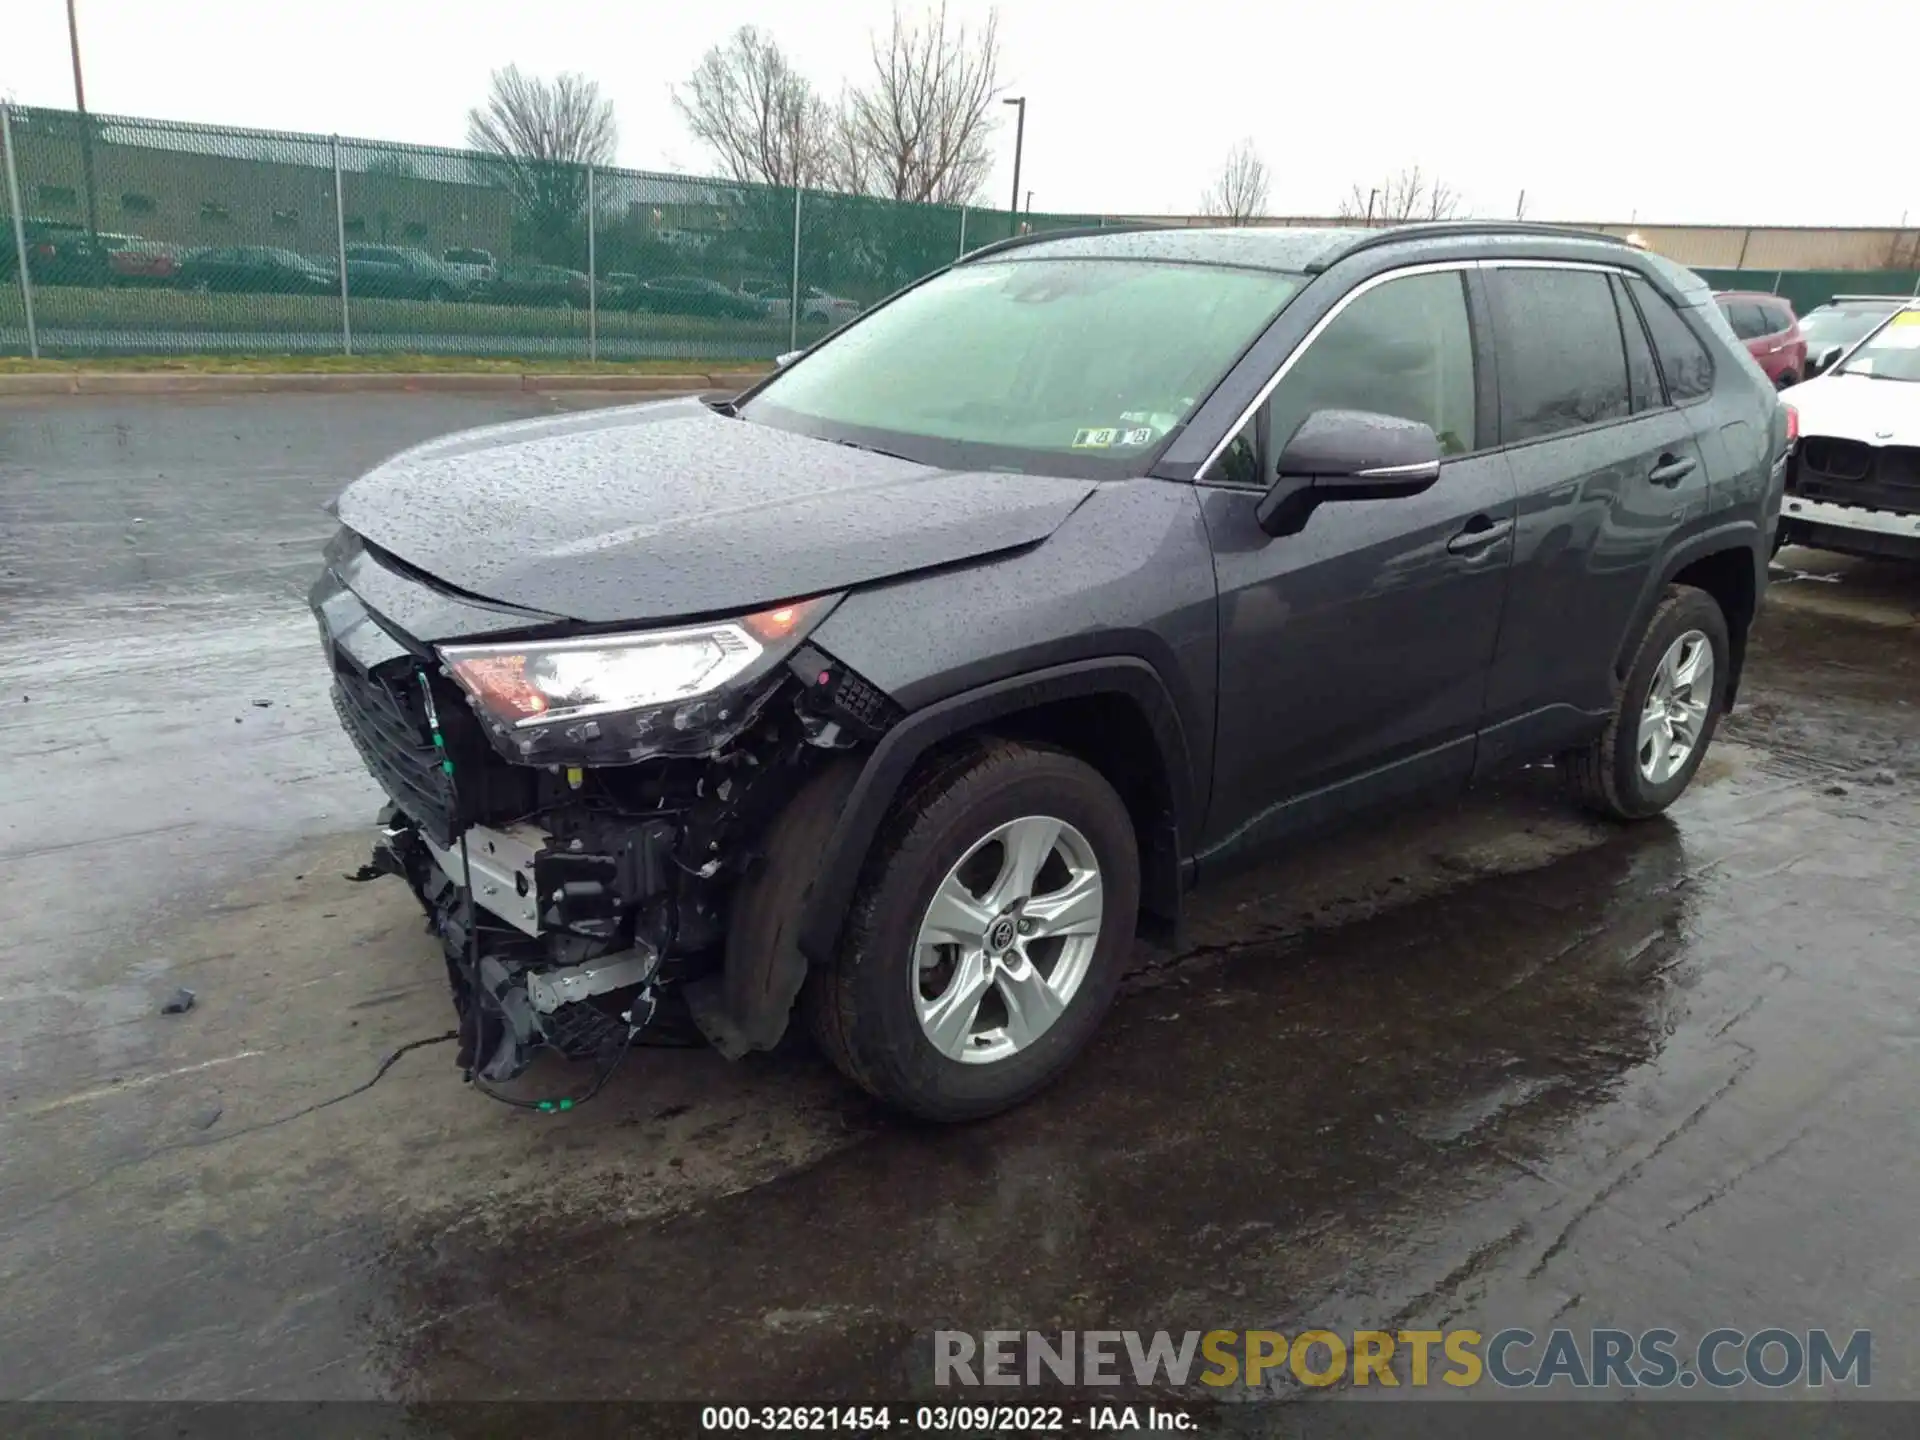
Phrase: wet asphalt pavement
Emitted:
{"points": [[1489, 1064]]}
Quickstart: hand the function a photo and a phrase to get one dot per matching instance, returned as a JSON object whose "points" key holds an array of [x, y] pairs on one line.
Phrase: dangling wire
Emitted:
{"points": [[636, 1019]]}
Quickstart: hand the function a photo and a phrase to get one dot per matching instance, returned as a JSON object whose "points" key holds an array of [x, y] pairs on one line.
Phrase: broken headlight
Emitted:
{"points": [[615, 699]]}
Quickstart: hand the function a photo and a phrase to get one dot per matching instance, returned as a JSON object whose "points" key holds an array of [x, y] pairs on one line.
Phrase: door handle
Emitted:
{"points": [[1479, 534], [1672, 469]]}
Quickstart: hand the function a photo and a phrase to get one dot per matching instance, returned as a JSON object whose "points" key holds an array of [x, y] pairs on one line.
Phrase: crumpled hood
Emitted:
{"points": [[653, 512], [1854, 407]]}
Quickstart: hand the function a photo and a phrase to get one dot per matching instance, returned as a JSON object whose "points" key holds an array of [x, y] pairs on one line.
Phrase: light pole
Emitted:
{"points": [[1019, 143], [86, 126]]}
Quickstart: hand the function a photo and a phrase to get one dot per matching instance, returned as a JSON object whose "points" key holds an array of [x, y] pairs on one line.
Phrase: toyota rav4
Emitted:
{"points": [[903, 690]]}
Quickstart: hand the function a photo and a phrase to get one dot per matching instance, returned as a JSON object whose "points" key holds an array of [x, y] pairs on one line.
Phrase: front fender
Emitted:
{"points": [[901, 748]]}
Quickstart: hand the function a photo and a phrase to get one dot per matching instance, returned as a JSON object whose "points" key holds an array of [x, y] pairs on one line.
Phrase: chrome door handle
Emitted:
{"points": [[1472, 540], [1672, 469]]}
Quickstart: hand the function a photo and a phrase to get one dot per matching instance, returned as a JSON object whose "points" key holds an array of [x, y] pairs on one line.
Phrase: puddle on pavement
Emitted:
{"points": [[1235, 1141]]}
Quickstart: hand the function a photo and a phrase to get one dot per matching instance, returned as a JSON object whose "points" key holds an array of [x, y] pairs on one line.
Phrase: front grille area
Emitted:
{"points": [[384, 716], [1851, 472]]}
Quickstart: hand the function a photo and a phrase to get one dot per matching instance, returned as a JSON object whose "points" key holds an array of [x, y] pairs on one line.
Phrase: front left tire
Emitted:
{"points": [[988, 935]]}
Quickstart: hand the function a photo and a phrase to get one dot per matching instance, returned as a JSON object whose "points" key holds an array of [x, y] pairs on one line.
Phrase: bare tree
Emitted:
{"points": [[748, 105], [536, 138], [1410, 195], [1239, 193], [920, 126], [847, 165]]}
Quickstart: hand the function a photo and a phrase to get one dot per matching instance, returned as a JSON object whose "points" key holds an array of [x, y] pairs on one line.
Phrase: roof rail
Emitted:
{"points": [[1446, 229], [1897, 299], [1074, 232]]}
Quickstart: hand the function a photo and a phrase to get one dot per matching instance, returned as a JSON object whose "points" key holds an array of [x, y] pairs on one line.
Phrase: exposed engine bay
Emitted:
{"points": [[581, 861]]}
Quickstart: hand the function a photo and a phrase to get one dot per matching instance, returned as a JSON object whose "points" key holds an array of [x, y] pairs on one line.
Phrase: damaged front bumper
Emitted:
{"points": [[571, 884], [518, 986]]}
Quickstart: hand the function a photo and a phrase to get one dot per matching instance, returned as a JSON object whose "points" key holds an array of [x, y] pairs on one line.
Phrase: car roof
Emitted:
{"points": [[1749, 295], [1292, 248], [1894, 302]]}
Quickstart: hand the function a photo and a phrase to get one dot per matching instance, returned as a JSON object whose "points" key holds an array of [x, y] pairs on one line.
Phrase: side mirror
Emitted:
{"points": [[780, 362], [1826, 360], [1347, 455]]}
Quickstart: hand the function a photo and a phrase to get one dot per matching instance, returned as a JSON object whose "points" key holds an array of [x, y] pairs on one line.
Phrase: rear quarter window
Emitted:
{"points": [[1684, 360]]}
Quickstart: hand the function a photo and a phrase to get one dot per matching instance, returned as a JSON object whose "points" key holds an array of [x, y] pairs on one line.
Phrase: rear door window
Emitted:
{"points": [[1563, 364], [1683, 359], [1749, 321]]}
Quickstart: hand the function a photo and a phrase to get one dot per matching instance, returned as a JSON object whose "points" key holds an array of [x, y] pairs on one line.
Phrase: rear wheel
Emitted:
{"points": [[988, 935], [1665, 712]]}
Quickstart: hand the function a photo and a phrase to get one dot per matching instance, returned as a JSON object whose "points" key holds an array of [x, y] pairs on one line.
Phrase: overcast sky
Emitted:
{"points": [[1712, 111]]}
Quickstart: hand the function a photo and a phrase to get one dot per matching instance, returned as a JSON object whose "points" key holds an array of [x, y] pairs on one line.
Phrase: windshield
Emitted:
{"points": [[1078, 366], [1893, 354], [1838, 327]]}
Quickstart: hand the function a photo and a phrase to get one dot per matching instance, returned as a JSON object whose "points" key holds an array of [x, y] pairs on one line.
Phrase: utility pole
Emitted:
{"points": [[1019, 144], [86, 125]]}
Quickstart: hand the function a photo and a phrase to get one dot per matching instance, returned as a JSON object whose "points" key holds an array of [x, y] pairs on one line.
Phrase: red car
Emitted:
{"points": [[132, 260], [1771, 331]]}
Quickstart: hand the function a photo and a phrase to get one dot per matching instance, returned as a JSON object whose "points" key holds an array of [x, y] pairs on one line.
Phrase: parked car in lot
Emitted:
{"points": [[908, 685], [58, 253], [1853, 483], [774, 297], [519, 282], [1834, 328], [1770, 331], [133, 260], [818, 307], [474, 267], [399, 272], [691, 295], [254, 269]]}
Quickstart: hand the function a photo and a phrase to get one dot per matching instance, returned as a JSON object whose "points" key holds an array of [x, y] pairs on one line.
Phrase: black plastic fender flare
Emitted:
{"points": [[1745, 535], [901, 748]]}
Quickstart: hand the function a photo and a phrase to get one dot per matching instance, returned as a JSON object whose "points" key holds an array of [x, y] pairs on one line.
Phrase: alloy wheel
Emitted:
{"points": [[1007, 940], [1675, 715]]}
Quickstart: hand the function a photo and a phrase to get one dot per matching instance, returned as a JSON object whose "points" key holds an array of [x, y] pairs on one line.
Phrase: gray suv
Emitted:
{"points": [[904, 689]]}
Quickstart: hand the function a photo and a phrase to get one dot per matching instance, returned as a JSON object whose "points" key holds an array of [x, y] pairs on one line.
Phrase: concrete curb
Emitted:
{"points": [[134, 382]]}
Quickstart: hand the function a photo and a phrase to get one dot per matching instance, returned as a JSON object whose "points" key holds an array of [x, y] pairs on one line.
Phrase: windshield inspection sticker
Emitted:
{"points": [[1094, 439], [1904, 332], [1143, 435]]}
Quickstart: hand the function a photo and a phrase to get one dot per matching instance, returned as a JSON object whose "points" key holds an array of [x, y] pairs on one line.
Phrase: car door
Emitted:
{"points": [[1354, 653], [1607, 468]]}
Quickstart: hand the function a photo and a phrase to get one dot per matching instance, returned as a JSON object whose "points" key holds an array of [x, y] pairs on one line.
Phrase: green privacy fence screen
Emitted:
{"points": [[1804, 289], [152, 237]]}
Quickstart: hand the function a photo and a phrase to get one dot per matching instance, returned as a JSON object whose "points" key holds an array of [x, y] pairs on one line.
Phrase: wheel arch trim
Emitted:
{"points": [[1739, 535], [901, 748]]}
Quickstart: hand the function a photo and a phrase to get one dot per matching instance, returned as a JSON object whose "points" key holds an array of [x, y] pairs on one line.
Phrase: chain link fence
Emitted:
{"points": [[126, 236]]}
